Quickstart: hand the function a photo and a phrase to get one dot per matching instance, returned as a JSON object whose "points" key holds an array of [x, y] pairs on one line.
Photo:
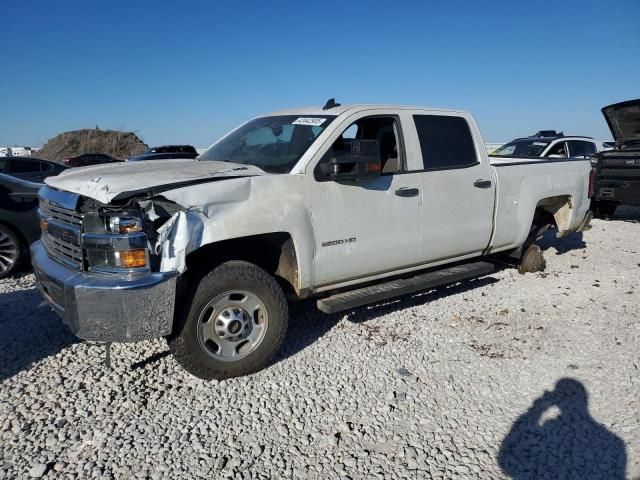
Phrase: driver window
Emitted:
{"points": [[558, 150], [351, 132], [383, 129]]}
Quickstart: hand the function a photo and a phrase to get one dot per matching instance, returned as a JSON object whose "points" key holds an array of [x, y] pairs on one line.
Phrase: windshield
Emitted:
{"points": [[525, 147], [274, 144]]}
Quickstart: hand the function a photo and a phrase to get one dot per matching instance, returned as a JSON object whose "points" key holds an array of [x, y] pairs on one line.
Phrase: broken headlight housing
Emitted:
{"points": [[116, 242]]}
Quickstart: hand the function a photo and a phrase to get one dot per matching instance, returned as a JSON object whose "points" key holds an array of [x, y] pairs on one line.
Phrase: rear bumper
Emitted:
{"points": [[107, 307]]}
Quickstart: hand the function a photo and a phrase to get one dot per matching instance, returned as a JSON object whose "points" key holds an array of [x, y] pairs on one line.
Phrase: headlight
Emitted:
{"points": [[110, 259], [112, 223], [118, 224], [115, 241]]}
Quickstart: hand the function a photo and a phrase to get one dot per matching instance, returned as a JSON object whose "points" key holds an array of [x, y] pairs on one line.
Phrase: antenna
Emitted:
{"points": [[330, 104]]}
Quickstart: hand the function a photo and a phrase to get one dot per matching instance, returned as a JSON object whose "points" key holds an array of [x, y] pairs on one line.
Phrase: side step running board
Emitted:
{"points": [[403, 286]]}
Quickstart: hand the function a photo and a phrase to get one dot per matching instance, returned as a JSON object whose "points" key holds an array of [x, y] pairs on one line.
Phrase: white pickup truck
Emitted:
{"points": [[349, 204]]}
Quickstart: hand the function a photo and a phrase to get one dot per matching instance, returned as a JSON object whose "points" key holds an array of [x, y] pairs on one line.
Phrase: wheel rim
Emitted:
{"points": [[8, 252], [232, 325]]}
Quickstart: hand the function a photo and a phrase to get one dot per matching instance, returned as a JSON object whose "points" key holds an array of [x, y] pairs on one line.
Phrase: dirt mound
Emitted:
{"points": [[117, 144]]}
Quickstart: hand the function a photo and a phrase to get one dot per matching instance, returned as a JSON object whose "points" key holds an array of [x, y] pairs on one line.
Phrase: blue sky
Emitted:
{"points": [[186, 72]]}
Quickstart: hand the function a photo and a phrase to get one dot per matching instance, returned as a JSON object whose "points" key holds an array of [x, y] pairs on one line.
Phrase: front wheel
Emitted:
{"points": [[233, 326]]}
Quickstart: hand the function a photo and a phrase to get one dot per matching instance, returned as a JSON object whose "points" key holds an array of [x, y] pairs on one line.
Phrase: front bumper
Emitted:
{"points": [[107, 307]]}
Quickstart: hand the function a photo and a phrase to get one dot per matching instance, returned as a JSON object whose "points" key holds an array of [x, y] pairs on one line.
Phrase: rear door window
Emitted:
{"points": [[446, 142], [580, 148], [24, 166]]}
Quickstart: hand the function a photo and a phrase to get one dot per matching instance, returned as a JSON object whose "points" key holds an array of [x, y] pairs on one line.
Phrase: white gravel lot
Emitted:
{"points": [[446, 384]]}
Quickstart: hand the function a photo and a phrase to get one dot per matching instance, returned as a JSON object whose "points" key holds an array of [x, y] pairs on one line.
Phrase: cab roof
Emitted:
{"points": [[351, 108]]}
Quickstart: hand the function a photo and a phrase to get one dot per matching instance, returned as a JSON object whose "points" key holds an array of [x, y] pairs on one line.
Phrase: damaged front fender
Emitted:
{"points": [[193, 220], [179, 236]]}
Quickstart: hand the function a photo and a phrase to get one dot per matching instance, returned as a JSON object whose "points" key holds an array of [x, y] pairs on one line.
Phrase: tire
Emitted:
{"points": [[603, 208], [11, 251], [532, 260], [233, 324]]}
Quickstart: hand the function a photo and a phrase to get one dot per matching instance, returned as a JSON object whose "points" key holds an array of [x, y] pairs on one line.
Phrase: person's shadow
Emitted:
{"points": [[570, 446]]}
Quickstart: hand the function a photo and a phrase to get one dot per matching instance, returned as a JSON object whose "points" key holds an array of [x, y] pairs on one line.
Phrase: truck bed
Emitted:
{"points": [[519, 183]]}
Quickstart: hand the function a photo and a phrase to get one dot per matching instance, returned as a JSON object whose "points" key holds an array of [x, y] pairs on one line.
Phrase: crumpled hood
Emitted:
{"points": [[624, 120], [114, 181]]}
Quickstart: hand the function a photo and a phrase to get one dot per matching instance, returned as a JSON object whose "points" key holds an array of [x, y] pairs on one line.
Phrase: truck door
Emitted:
{"points": [[457, 183], [369, 226]]}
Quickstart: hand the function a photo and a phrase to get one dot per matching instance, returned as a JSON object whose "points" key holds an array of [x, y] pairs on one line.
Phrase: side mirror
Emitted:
{"points": [[360, 159]]}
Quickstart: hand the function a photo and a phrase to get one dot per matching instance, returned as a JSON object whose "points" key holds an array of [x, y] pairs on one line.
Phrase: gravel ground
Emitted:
{"points": [[487, 379]]}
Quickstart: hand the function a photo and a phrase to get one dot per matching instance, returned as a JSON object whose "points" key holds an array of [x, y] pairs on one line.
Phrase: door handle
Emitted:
{"points": [[482, 183], [407, 192]]}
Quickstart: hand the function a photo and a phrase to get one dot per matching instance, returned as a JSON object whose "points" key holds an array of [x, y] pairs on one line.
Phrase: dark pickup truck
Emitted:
{"points": [[617, 171]]}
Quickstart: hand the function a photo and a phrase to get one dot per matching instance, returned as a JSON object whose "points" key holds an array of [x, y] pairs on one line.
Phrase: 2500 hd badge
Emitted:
{"points": [[338, 242]]}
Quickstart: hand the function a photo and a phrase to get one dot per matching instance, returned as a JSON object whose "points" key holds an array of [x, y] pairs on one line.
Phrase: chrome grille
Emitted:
{"points": [[62, 215], [61, 238], [64, 252]]}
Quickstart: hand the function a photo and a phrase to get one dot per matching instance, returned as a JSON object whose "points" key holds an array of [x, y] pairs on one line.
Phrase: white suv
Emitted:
{"points": [[549, 143]]}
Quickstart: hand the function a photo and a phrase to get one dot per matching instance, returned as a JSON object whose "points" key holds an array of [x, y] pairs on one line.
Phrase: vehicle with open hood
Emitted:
{"points": [[617, 174], [347, 204]]}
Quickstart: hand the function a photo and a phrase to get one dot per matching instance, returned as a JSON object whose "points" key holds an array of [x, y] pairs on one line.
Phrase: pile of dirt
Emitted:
{"points": [[119, 145]]}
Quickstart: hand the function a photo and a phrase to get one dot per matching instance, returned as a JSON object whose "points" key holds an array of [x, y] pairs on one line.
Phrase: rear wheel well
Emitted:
{"points": [[273, 252], [554, 211]]}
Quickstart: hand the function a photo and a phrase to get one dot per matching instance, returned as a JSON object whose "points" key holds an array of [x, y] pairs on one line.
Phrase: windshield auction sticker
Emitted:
{"points": [[314, 122]]}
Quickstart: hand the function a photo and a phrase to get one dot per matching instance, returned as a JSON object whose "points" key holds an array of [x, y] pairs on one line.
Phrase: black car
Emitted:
{"points": [[617, 172], [166, 152], [19, 225], [29, 168], [87, 159]]}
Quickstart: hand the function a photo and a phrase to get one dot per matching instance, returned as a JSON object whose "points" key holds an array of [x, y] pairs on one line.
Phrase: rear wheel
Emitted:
{"points": [[532, 260], [233, 325], [10, 251]]}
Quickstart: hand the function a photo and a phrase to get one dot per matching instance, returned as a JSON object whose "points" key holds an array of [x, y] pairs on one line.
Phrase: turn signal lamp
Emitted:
{"points": [[133, 258]]}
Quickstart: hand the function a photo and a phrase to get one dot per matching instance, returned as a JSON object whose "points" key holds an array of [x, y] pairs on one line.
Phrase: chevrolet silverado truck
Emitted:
{"points": [[349, 204], [617, 171]]}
